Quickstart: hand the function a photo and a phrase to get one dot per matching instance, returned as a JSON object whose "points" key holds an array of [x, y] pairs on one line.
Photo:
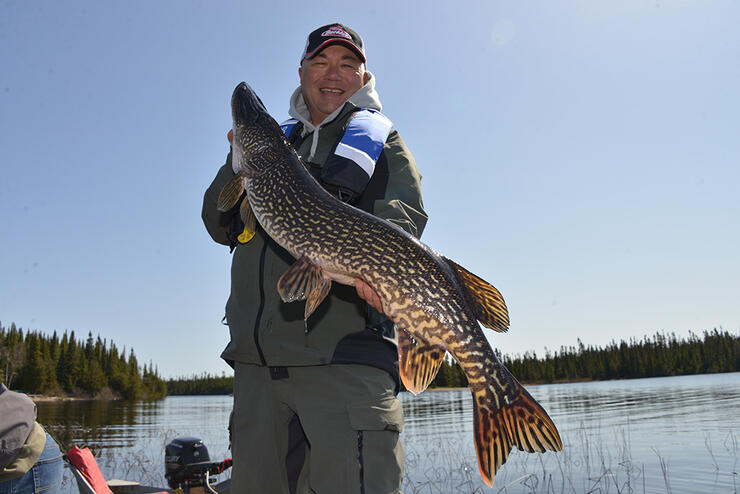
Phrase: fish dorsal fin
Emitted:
{"points": [[487, 303], [304, 280], [418, 362]]}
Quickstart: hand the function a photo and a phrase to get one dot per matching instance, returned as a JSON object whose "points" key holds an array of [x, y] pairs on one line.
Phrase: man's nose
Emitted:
{"points": [[333, 72]]}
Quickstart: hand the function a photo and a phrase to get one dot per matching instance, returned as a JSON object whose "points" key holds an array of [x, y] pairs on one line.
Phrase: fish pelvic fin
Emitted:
{"points": [[297, 283], [304, 281], [232, 191], [522, 423], [486, 301], [316, 297], [418, 362]]}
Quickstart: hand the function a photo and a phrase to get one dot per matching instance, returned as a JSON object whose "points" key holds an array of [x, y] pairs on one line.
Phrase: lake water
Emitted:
{"points": [[673, 434]]}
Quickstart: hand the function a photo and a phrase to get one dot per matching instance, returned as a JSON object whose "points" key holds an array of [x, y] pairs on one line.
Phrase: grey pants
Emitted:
{"points": [[348, 422]]}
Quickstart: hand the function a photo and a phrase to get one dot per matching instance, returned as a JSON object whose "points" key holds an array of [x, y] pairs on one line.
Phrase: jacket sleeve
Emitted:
{"points": [[401, 204], [216, 222]]}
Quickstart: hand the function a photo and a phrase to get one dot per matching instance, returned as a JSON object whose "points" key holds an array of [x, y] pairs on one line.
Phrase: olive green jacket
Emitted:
{"points": [[266, 331]]}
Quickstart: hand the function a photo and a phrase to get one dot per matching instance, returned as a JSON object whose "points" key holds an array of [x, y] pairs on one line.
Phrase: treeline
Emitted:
{"points": [[657, 356], [661, 355], [56, 366], [205, 384]]}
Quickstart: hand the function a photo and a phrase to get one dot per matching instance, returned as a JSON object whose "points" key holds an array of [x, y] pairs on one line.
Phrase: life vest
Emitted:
{"points": [[352, 162], [349, 167]]}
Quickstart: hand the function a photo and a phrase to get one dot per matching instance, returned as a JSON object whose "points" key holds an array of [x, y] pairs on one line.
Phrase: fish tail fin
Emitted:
{"points": [[529, 426], [522, 423], [492, 443]]}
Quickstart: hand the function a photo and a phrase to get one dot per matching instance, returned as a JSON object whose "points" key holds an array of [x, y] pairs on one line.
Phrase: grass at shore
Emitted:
{"points": [[593, 461]]}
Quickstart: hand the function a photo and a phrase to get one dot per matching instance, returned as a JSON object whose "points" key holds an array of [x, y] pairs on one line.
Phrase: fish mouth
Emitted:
{"points": [[247, 108]]}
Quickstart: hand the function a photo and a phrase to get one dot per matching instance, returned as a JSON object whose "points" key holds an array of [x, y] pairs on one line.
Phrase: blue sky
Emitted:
{"points": [[582, 156]]}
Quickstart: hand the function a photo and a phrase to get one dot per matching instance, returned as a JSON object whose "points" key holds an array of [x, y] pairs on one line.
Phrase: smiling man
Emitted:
{"points": [[317, 412], [329, 78]]}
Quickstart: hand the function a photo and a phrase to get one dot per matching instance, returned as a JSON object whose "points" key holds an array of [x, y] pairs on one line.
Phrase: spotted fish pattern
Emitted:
{"points": [[435, 303]]}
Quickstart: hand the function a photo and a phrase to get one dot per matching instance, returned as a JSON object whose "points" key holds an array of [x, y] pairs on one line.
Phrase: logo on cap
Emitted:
{"points": [[336, 31]]}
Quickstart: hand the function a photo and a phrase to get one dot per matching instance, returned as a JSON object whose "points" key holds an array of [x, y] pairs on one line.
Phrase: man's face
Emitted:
{"points": [[329, 79]]}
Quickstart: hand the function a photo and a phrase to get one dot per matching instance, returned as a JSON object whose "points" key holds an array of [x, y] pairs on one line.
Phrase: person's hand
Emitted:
{"points": [[230, 136], [369, 295]]}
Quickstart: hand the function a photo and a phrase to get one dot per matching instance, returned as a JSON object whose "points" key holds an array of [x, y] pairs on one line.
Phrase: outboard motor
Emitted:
{"points": [[186, 462]]}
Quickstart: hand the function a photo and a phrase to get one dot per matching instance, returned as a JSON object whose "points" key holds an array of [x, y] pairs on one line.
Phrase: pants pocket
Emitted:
{"points": [[377, 426]]}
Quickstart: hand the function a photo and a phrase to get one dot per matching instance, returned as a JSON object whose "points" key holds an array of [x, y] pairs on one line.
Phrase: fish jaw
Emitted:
{"points": [[246, 107], [258, 142]]}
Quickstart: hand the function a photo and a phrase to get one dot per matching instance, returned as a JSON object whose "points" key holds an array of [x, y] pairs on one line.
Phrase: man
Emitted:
{"points": [[30, 460], [320, 403]]}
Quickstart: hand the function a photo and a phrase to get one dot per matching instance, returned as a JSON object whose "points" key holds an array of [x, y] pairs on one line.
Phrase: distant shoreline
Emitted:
{"points": [[43, 398]]}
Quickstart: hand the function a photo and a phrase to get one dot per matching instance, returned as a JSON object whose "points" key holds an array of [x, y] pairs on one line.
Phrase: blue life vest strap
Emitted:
{"points": [[287, 126], [348, 170]]}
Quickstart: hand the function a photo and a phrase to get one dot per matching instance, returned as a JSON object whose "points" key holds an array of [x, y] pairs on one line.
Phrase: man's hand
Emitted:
{"points": [[369, 295]]}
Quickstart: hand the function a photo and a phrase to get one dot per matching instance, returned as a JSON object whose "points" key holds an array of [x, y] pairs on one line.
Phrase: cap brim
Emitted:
{"points": [[333, 41]]}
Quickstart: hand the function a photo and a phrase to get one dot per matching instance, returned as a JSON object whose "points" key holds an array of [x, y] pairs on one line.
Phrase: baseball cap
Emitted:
{"points": [[333, 34]]}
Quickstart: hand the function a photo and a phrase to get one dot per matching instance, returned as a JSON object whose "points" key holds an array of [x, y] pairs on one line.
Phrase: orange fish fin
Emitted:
{"points": [[418, 362], [522, 423], [316, 297], [299, 281], [486, 301], [492, 443], [529, 426]]}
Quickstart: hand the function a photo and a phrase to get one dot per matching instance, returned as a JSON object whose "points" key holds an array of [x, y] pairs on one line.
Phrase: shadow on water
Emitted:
{"points": [[97, 424]]}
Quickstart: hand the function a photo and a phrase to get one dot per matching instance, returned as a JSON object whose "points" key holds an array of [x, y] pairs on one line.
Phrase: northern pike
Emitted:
{"points": [[435, 303]]}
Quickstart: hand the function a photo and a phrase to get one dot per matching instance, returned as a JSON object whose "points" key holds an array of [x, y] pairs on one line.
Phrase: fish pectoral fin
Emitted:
{"points": [[486, 301], [418, 362], [231, 192], [300, 280], [250, 222]]}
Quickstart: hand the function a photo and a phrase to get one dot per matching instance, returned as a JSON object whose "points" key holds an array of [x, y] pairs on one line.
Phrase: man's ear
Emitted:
{"points": [[365, 77], [300, 74]]}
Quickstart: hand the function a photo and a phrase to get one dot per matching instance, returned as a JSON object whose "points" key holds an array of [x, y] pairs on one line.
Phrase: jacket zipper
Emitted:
{"points": [[362, 462], [258, 319]]}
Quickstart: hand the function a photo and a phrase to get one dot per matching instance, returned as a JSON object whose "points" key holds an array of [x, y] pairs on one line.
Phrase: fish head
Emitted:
{"points": [[258, 141]]}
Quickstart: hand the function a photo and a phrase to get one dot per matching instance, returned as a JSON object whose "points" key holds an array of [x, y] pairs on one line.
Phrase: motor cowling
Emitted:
{"points": [[186, 461]]}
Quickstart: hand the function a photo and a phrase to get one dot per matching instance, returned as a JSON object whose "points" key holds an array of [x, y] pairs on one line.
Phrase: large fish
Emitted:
{"points": [[435, 303]]}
